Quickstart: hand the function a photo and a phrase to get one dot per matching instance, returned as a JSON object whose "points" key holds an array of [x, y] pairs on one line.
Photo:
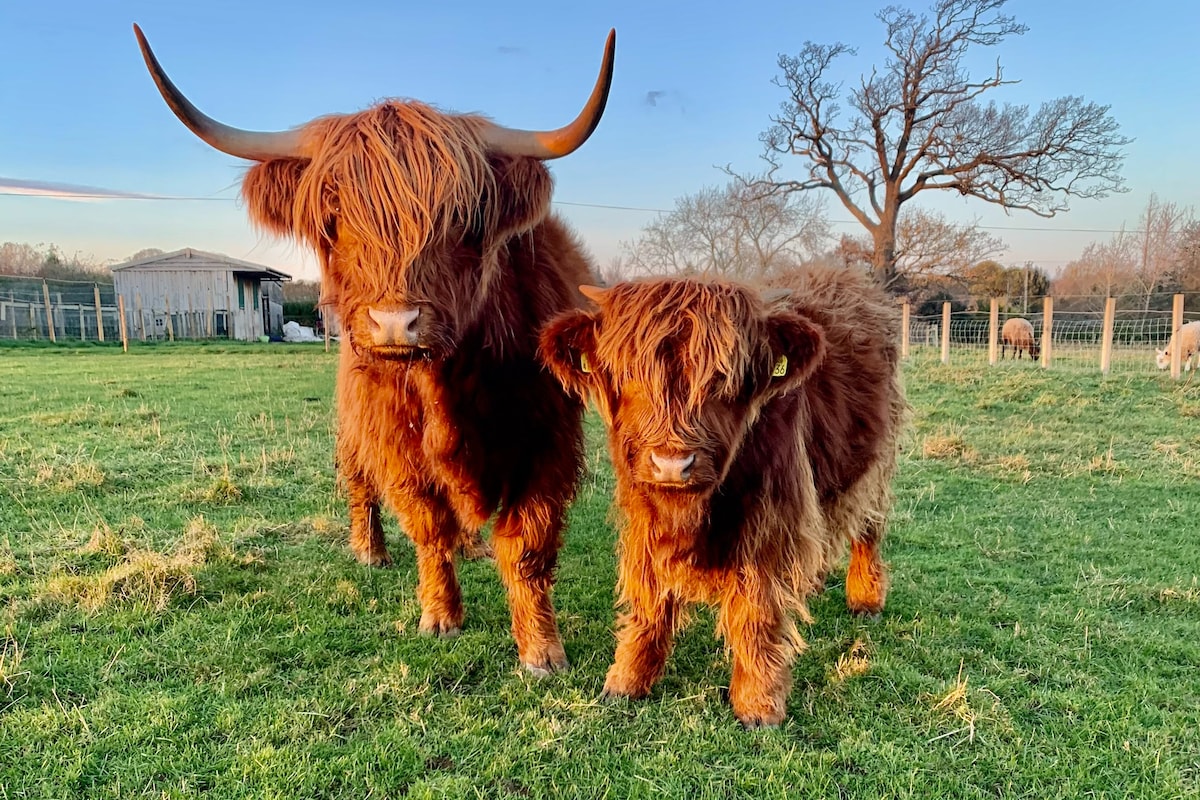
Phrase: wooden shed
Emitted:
{"points": [[193, 294]]}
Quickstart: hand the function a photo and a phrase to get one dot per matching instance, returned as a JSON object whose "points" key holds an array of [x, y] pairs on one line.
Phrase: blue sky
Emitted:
{"points": [[692, 90]]}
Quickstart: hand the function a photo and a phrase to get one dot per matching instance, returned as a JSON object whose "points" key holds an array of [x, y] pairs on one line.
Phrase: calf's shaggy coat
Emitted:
{"points": [[751, 439]]}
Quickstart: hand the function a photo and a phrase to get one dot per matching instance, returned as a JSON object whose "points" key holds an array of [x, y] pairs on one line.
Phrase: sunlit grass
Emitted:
{"points": [[180, 615]]}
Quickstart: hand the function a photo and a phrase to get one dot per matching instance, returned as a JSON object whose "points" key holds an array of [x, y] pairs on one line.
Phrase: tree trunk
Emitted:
{"points": [[883, 262]]}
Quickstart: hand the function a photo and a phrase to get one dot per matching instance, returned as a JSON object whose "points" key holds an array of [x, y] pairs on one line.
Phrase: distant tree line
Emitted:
{"points": [[47, 261]]}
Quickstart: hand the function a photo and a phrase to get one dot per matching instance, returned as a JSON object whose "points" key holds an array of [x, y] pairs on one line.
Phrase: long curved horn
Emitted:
{"points": [[254, 145], [565, 140]]}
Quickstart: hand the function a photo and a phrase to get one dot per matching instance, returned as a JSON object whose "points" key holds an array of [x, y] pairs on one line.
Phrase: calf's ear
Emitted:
{"points": [[797, 348], [567, 347]]}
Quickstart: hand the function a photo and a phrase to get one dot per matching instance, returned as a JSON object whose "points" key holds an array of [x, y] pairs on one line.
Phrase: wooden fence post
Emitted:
{"points": [[1047, 331], [141, 319], [12, 305], [99, 313], [121, 323], [49, 311], [170, 326], [1106, 344], [993, 331], [1177, 350], [208, 321], [82, 324], [946, 332], [905, 316]]}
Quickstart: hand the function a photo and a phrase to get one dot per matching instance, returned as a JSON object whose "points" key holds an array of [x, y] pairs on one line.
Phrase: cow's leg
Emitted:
{"points": [[866, 579], [645, 635], [474, 546], [526, 541], [434, 530], [366, 529], [753, 625]]}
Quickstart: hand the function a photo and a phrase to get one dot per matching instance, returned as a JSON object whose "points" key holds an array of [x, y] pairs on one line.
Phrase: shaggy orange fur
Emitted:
{"points": [[751, 439], [408, 210]]}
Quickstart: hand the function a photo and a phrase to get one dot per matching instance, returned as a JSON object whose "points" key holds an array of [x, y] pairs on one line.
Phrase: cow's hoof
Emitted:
{"points": [[476, 549], [546, 668], [374, 558], [443, 629]]}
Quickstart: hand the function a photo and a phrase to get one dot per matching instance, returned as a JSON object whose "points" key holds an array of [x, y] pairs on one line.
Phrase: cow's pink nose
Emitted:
{"points": [[396, 327], [672, 469]]}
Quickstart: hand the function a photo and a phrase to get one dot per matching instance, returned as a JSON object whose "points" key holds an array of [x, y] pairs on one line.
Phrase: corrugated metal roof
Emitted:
{"points": [[191, 259]]}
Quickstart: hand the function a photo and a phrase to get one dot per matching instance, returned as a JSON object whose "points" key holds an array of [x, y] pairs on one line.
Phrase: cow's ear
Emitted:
{"points": [[797, 348], [269, 190], [522, 199], [568, 349]]}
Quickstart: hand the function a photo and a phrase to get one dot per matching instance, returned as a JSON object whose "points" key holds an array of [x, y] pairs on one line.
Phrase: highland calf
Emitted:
{"points": [[441, 258], [752, 436], [1018, 333]]}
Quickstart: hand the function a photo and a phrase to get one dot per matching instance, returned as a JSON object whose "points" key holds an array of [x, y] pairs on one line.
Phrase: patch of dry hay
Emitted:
{"points": [[142, 577]]}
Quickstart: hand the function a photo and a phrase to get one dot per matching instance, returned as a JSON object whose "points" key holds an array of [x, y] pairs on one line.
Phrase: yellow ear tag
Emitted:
{"points": [[780, 369], [584, 364]]}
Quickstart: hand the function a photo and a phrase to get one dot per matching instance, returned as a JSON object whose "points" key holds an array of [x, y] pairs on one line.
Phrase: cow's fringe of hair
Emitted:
{"points": [[413, 169], [713, 318]]}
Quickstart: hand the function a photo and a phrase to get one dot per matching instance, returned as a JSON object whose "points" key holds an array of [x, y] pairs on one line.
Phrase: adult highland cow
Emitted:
{"points": [[751, 438], [442, 261]]}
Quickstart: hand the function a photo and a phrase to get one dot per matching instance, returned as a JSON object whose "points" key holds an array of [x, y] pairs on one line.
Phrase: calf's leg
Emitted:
{"points": [[429, 522], [866, 578], [366, 529], [762, 674], [645, 635]]}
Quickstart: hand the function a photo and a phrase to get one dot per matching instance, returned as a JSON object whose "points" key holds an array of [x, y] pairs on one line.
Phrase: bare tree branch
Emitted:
{"points": [[918, 123]]}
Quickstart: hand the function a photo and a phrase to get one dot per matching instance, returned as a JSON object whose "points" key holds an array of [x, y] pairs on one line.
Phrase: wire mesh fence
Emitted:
{"points": [[1077, 338], [33, 309]]}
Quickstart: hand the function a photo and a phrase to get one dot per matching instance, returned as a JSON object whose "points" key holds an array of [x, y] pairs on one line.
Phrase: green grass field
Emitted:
{"points": [[180, 615]]}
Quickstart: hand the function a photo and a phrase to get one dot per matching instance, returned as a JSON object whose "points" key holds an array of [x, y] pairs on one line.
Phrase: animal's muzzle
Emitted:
{"points": [[675, 469], [396, 327]]}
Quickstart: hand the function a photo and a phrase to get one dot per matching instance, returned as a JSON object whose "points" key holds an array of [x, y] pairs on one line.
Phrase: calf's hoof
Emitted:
{"points": [[756, 723]]}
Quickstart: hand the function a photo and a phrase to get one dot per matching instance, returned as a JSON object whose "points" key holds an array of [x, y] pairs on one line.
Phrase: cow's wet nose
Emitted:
{"points": [[672, 469], [394, 327]]}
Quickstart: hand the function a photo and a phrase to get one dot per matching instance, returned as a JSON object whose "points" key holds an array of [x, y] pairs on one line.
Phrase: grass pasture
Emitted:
{"points": [[180, 616]]}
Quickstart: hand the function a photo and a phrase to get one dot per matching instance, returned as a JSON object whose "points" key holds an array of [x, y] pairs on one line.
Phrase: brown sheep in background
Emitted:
{"points": [[751, 439], [1018, 332]]}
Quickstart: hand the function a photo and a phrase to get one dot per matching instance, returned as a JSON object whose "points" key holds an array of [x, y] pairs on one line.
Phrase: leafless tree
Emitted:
{"points": [[919, 124], [927, 244], [732, 230], [1162, 227], [1103, 269]]}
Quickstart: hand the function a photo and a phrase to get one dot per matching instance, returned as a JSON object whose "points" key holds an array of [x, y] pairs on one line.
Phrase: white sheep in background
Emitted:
{"points": [[1189, 335]]}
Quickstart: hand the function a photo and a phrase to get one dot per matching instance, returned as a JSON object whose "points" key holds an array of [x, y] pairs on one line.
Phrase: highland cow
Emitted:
{"points": [[751, 436], [441, 259]]}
